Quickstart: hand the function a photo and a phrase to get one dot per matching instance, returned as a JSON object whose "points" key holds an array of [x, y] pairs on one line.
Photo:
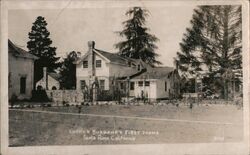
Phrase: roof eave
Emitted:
{"points": [[108, 61], [20, 56], [86, 54]]}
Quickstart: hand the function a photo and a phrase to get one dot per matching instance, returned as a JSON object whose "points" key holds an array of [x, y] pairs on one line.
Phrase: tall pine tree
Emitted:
{"points": [[40, 46], [139, 44], [213, 44]]}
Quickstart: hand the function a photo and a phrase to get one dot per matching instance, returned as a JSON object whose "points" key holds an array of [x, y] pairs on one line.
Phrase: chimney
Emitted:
{"points": [[91, 45], [46, 77], [91, 58]]}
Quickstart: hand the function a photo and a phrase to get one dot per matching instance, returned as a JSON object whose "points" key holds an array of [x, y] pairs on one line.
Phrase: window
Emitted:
{"points": [[122, 86], [165, 85], [132, 86], [139, 67], [129, 64], [85, 64], [102, 84], [22, 85], [147, 83], [98, 63], [83, 84], [140, 83]]}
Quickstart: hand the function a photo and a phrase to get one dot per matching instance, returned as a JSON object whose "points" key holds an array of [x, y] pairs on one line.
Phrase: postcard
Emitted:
{"points": [[124, 77]]}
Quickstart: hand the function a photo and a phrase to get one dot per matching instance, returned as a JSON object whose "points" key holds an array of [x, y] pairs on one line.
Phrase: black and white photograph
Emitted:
{"points": [[125, 74]]}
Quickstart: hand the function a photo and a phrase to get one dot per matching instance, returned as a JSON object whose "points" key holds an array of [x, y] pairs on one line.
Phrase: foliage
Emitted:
{"points": [[105, 95], [188, 86], [40, 46], [40, 96], [139, 44], [68, 71], [214, 40], [213, 44], [13, 99]]}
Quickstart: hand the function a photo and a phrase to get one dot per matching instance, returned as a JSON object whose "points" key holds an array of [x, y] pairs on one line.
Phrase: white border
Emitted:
{"points": [[187, 148]]}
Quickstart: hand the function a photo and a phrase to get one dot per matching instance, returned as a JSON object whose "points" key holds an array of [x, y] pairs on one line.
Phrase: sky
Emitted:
{"points": [[71, 29]]}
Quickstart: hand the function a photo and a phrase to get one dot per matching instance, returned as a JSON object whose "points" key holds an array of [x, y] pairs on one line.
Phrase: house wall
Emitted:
{"points": [[175, 85], [101, 73], [84, 72], [106, 72], [87, 81], [149, 90], [79, 79], [156, 90], [20, 67], [160, 88], [51, 82]]}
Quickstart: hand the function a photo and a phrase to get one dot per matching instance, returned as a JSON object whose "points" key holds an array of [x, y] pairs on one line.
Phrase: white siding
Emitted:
{"points": [[161, 93], [149, 90], [104, 70], [156, 90], [80, 71], [106, 79], [84, 72], [78, 81], [101, 73], [51, 82]]}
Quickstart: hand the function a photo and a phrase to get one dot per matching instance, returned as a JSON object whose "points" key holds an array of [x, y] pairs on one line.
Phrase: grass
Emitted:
{"points": [[205, 125]]}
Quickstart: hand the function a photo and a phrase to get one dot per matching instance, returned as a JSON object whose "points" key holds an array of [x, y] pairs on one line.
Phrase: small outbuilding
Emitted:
{"points": [[156, 83], [49, 81]]}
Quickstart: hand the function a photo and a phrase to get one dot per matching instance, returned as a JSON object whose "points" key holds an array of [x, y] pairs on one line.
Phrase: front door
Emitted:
{"points": [[132, 89], [22, 85]]}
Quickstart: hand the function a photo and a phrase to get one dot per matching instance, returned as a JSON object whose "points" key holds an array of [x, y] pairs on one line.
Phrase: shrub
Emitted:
{"points": [[39, 96], [13, 99], [108, 95], [65, 103], [104, 96]]}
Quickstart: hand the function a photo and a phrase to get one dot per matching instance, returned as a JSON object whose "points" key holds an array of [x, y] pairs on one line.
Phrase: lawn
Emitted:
{"points": [[121, 124]]}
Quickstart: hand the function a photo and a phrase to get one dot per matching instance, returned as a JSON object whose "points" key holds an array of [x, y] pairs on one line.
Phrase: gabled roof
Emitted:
{"points": [[110, 57], [55, 76], [147, 71], [113, 57], [155, 73], [19, 52]]}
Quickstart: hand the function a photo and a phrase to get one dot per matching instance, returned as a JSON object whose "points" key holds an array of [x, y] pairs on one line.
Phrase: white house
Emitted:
{"points": [[156, 83], [102, 65], [21, 72], [49, 81], [135, 78]]}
